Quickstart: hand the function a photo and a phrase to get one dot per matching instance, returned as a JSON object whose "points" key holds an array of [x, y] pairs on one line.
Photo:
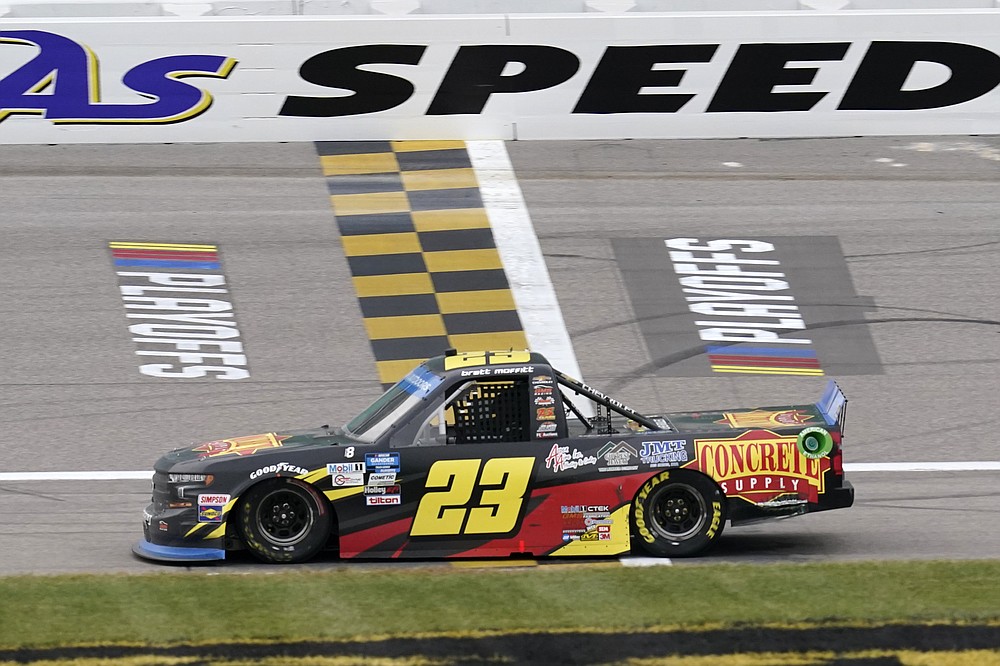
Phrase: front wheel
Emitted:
{"points": [[678, 514], [284, 521]]}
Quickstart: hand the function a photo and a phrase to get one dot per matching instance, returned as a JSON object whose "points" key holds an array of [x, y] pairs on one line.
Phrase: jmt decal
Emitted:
{"points": [[469, 497], [62, 84]]}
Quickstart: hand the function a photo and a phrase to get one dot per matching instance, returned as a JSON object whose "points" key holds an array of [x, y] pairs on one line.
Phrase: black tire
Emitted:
{"points": [[284, 521], [678, 513]]}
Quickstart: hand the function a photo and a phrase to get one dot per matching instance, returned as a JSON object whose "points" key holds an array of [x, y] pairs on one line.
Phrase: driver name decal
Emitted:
{"points": [[61, 83]]}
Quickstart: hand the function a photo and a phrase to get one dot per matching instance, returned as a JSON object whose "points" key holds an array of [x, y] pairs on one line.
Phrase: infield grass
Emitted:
{"points": [[346, 602]]}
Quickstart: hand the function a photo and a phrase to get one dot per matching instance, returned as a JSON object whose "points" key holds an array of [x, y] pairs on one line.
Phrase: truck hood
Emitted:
{"points": [[251, 445]]}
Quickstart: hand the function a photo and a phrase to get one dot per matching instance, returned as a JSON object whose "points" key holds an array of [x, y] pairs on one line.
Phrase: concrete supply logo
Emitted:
{"points": [[780, 305], [760, 465], [180, 311], [757, 77], [60, 83]]}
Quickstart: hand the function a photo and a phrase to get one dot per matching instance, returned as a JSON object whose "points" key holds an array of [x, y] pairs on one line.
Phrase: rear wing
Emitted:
{"points": [[833, 405]]}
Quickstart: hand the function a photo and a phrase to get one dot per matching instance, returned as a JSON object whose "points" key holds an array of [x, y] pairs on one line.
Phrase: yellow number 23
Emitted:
{"points": [[503, 484]]}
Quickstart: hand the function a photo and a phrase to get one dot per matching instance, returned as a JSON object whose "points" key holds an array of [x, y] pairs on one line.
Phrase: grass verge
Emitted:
{"points": [[350, 603]]}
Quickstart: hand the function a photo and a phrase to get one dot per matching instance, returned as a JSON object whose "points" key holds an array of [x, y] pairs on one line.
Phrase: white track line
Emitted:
{"points": [[521, 254], [967, 466]]}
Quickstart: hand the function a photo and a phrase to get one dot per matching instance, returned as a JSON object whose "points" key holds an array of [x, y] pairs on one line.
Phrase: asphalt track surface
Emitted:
{"points": [[915, 218]]}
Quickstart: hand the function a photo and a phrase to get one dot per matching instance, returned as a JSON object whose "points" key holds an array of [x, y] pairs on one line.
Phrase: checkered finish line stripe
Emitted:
{"points": [[421, 251]]}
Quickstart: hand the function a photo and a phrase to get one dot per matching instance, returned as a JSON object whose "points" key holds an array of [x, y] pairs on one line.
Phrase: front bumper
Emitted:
{"points": [[153, 551], [178, 537]]}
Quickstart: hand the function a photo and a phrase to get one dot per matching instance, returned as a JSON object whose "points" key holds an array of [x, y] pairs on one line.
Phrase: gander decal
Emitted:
{"points": [[61, 83], [180, 313]]}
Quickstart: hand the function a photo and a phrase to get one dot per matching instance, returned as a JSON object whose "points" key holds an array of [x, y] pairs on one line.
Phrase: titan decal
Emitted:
{"points": [[186, 326], [61, 83]]}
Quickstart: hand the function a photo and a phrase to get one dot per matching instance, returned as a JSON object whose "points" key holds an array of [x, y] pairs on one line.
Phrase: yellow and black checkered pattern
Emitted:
{"points": [[421, 251]]}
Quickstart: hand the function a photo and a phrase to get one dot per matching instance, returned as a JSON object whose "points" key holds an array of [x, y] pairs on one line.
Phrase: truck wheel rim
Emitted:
{"points": [[679, 512], [284, 517]]}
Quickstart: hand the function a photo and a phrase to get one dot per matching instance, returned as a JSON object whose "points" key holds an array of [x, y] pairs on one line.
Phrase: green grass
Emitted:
{"points": [[349, 602]]}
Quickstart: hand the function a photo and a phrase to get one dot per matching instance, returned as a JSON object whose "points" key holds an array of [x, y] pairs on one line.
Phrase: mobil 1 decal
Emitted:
{"points": [[179, 310], [737, 305]]}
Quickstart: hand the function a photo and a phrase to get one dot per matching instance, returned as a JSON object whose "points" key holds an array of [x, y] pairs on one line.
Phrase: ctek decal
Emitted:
{"points": [[61, 83], [768, 77]]}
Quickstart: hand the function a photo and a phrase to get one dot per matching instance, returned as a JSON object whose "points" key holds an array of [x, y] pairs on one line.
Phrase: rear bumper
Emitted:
{"points": [[153, 551]]}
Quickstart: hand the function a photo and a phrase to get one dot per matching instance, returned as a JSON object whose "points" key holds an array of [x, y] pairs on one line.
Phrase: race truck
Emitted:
{"points": [[497, 454]]}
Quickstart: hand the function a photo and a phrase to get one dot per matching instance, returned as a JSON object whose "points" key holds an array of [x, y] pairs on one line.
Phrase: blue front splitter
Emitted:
{"points": [[152, 551]]}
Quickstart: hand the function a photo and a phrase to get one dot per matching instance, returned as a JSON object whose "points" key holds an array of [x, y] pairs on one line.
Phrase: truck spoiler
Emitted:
{"points": [[833, 405]]}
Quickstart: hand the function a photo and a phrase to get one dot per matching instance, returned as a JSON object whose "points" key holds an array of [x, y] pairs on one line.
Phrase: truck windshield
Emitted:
{"points": [[379, 416]]}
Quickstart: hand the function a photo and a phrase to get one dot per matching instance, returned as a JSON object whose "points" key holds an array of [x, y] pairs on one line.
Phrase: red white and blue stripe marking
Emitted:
{"points": [[165, 255]]}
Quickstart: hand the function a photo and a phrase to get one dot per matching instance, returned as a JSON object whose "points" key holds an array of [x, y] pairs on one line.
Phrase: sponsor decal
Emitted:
{"points": [[617, 457], [382, 462], [164, 527], [543, 390], [381, 478], [585, 508], [541, 379], [279, 469], [211, 508], [345, 468], [420, 382], [481, 372], [670, 453], [761, 418], [560, 459], [241, 446], [209, 514], [184, 320], [545, 413], [381, 500], [547, 427], [214, 499], [545, 401], [381, 490], [348, 479], [759, 465], [746, 78], [589, 536], [67, 72]]}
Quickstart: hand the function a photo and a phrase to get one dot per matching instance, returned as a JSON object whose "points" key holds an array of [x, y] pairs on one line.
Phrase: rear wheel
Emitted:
{"points": [[678, 514], [284, 521]]}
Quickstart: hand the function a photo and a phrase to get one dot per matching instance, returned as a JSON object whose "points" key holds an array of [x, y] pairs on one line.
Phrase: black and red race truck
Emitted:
{"points": [[497, 454]]}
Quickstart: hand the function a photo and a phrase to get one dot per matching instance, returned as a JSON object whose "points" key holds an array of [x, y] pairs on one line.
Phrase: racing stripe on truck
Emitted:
{"points": [[421, 250]]}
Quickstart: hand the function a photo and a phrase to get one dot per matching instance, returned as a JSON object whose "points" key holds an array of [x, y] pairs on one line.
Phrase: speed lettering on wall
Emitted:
{"points": [[468, 497], [758, 78]]}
